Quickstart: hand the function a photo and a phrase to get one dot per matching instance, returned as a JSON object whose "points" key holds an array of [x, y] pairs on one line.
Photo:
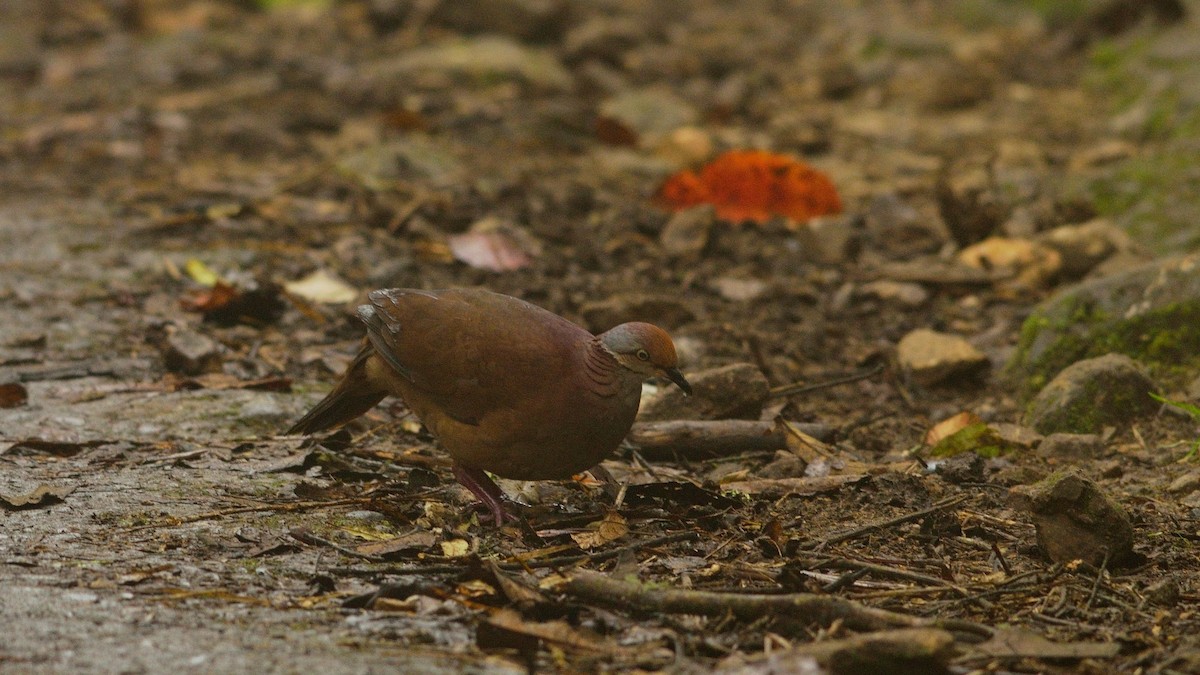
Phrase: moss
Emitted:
{"points": [[1166, 340], [978, 438]]}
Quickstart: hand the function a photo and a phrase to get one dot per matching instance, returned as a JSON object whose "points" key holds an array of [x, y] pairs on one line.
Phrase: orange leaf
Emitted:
{"points": [[753, 185]]}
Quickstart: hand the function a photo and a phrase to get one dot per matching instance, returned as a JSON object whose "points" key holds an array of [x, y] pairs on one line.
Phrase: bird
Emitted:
{"points": [[503, 385]]}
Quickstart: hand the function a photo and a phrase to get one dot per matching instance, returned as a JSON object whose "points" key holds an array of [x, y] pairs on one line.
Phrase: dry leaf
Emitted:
{"points": [[42, 495], [753, 185], [495, 246], [610, 528], [13, 395], [323, 287], [455, 548], [950, 426]]}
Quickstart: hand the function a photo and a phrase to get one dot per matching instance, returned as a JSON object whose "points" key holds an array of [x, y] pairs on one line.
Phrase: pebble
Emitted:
{"points": [[932, 358], [1075, 520], [1091, 394], [1185, 484], [190, 353]]}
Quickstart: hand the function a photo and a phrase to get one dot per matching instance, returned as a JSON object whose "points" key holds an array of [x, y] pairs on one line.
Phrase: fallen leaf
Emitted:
{"points": [[13, 395], [475, 588], [950, 426], [753, 185], [323, 287], [201, 273], [495, 246], [805, 486], [413, 542], [455, 548], [42, 495], [610, 528]]}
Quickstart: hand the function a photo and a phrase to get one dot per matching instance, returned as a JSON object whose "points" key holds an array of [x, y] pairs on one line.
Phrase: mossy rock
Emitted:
{"points": [[1092, 394], [1150, 313]]}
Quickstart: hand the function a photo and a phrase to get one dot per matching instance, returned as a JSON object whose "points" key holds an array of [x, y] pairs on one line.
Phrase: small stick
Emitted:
{"points": [[798, 388], [306, 537], [698, 439], [908, 517], [822, 609], [292, 506]]}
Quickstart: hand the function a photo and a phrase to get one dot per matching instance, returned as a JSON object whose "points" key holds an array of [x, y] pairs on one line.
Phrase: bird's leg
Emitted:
{"points": [[485, 489]]}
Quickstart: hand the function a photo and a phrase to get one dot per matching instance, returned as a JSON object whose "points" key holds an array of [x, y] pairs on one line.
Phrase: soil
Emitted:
{"points": [[151, 147]]}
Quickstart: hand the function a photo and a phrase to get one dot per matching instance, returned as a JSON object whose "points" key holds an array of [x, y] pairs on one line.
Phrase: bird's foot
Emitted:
{"points": [[486, 490]]}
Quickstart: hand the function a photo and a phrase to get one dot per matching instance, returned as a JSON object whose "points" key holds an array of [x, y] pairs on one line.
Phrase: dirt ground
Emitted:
{"points": [[158, 154]]}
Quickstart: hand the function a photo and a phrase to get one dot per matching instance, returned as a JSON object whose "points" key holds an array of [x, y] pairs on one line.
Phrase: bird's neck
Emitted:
{"points": [[604, 375]]}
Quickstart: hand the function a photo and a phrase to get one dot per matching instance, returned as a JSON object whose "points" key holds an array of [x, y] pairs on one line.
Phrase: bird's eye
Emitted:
{"points": [[643, 355]]}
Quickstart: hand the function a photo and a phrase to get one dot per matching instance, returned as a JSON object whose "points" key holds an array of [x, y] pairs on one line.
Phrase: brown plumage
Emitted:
{"points": [[505, 386]]}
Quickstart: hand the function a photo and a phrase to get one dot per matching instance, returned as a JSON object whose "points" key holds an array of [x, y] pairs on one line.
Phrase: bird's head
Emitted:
{"points": [[645, 349]]}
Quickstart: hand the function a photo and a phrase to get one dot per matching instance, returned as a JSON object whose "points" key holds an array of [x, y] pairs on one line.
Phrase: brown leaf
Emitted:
{"points": [[805, 487], [610, 528], [42, 495], [950, 426], [401, 546], [13, 395]]}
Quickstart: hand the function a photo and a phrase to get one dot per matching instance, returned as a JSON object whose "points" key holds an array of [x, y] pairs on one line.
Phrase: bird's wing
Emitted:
{"points": [[472, 353]]}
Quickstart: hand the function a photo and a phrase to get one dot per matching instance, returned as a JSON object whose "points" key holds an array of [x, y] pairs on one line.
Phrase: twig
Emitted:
{"points": [[797, 388], [908, 517], [304, 536], [698, 439], [897, 573], [290, 506], [520, 565], [821, 609]]}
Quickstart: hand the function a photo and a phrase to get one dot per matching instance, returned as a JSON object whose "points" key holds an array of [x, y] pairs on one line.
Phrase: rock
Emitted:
{"points": [[899, 230], [1150, 312], [1072, 446], [1164, 593], [1082, 247], [965, 467], [785, 465], [954, 85], [829, 240], [1091, 394], [738, 289], [190, 353], [483, 59], [734, 391], [526, 20], [603, 38], [1109, 468], [931, 358], [900, 293], [664, 310], [413, 158], [1017, 435], [837, 78], [685, 146], [686, 233], [1185, 484], [1076, 521], [650, 113], [1016, 263]]}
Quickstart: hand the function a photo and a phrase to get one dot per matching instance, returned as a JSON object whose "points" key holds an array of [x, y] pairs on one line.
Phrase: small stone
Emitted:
{"points": [[785, 465], [663, 310], [931, 358], [1164, 592], [738, 289], [965, 467], [685, 146], [1073, 446], [603, 38], [1109, 468], [1076, 521], [365, 516], [191, 353], [829, 240], [1185, 484], [1016, 435], [902, 293], [1091, 394], [1083, 247], [734, 391], [686, 233], [1021, 263], [650, 113]]}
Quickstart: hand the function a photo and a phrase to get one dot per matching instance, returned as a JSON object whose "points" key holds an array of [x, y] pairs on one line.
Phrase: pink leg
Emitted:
{"points": [[485, 489]]}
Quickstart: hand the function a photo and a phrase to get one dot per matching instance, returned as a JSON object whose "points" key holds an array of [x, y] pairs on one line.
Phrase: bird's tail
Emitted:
{"points": [[354, 395]]}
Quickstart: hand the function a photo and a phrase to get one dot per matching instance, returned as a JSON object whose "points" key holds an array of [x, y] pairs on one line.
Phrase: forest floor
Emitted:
{"points": [[171, 170]]}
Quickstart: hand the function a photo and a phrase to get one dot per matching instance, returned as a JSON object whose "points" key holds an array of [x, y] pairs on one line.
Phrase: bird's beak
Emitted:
{"points": [[675, 376]]}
